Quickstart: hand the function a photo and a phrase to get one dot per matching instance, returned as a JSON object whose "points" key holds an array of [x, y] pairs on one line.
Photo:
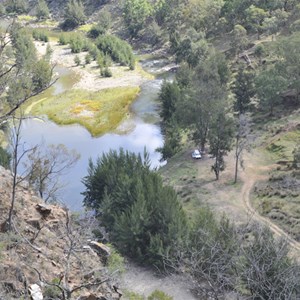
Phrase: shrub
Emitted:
{"points": [[64, 39], [77, 60], [52, 292], [40, 35], [120, 51], [74, 15], [78, 43], [159, 295], [88, 59], [106, 72]]}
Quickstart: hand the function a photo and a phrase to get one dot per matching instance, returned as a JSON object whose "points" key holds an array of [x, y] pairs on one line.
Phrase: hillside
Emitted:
{"points": [[228, 221], [49, 250]]}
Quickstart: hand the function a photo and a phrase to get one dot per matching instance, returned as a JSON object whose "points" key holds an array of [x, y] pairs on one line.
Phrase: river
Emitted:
{"points": [[140, 131]]}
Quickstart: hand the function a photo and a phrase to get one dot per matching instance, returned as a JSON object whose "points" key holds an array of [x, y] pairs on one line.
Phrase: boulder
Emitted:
{"points": [[44, 210], [101, 249], [36, 292]]}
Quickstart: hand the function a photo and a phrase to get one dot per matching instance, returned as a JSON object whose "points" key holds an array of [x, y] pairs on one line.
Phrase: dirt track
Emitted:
{"points": [[249, 182]]}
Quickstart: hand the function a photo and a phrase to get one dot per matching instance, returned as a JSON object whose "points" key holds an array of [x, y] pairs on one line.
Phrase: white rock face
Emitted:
{"points": [[36, 292]]}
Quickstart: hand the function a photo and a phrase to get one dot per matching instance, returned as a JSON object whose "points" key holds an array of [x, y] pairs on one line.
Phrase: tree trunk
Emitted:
{"points": [[236, 160]]}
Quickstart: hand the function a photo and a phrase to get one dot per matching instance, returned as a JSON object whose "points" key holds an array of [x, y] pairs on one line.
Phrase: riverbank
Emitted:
{"points": [[90, 78]]}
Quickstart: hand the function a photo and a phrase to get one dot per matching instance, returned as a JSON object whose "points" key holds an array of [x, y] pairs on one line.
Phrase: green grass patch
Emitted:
{"points": [[26, 18], [99, 112], [49, 22], [283, 146], [86, 27]]}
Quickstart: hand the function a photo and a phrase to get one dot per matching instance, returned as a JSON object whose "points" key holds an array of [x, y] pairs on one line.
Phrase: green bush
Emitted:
{"points": [[119, 51], [74, 15], [78, 43], [64, 39], [51, 291], [88, 59], [115, 262], [77, 60], [159, 295], [40, 35], [106, 72]]}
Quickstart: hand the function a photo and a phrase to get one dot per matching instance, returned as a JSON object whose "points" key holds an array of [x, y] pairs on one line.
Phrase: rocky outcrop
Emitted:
{"points": [[48, 245]]}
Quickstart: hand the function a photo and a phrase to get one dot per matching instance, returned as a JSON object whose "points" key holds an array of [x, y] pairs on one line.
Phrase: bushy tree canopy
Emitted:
{"points": [[143, 216]]}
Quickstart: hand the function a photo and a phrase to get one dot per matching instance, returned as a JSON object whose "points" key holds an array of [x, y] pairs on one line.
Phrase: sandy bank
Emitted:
{"points": [[90, 78]]}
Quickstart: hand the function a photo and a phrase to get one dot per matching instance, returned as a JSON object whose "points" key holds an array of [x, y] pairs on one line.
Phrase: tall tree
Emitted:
{"points": [[243, 89], [135, 13], [202, 98], [220, 140], [269, 85]]}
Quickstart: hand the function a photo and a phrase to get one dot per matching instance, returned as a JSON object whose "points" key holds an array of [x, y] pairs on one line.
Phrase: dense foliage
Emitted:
{"points": [[120, 51], [74, 15], [143, 217], [22, 74]]}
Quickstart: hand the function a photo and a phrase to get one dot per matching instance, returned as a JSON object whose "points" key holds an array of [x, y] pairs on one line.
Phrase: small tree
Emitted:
{"points": [[45, 165], [77, 60], [244, 90], [269, 84], [18, 151], [42, 10], [74, 15], [135, 13], [239, 38]]}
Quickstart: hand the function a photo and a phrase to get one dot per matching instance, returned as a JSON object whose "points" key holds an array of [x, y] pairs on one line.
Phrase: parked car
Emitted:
{"points": [[196, 154]]}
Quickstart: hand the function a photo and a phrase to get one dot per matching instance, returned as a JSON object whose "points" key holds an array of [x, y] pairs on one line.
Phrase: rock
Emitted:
{"points": [[101, 249], [35, 223], [36, 292], [44, 210]]}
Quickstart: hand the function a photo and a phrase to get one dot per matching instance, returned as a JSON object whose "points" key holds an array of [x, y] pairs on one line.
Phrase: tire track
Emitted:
{"points": [[247, 187]]}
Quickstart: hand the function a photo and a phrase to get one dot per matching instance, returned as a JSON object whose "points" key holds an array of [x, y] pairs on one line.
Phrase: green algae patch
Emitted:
{"points": [[99, 112]]}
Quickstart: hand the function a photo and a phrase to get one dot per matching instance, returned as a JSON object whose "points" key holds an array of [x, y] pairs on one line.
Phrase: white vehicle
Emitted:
{"points": [[196, 154]]}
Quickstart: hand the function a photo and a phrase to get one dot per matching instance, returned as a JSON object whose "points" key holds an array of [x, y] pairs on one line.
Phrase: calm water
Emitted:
{"points": [[142, 130]]}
